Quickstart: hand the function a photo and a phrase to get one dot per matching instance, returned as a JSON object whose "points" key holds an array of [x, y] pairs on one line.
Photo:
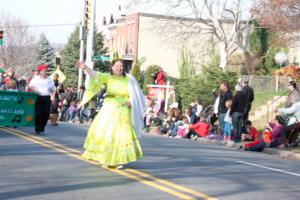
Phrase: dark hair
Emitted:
{"points": [[82, 87], [226, 83], [189, 109], [267, 128], [23, 81], [293, 83], [280, 119], [113, 63], [248, 123]]}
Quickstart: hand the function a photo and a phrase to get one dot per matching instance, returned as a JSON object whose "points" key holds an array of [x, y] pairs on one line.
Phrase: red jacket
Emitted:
{"points": [[253, 133], [200, 128], [160, 78]]}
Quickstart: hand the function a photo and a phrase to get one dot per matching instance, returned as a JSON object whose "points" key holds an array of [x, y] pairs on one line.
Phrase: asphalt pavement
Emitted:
{"points": [[50, 167]]}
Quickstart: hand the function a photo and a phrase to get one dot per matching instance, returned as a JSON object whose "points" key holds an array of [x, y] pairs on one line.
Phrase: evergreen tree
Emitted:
{"points": [[200, 86], [99, 50], [149, 76], [186, 65], [136, 71], [70, 54], [45, 53], [263, 47]]}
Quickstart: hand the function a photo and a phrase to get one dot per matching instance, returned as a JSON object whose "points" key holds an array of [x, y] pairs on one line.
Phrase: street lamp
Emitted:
{"points": [[280, 58]]}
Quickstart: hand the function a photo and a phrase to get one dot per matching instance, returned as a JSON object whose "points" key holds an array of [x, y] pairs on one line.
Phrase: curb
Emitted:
{"points": [[272, 151], [282, 153]]}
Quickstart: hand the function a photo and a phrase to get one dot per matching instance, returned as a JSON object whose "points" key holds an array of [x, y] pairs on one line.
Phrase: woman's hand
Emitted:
{"points": [[85, 68], [81, 65]]}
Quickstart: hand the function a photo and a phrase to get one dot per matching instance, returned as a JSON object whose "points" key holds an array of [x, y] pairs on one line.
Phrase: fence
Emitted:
{"points": [[267, 83]]}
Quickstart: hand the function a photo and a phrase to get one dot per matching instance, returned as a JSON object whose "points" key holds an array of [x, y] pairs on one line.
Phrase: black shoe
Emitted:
{"points": [[39, 132]]}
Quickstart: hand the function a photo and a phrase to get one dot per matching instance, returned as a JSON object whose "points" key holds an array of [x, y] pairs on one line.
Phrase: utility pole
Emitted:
{"points": [[90, 40], [82, 33]]}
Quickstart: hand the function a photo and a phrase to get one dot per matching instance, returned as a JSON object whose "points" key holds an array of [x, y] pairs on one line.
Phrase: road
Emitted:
{"points": [[50, 167]]}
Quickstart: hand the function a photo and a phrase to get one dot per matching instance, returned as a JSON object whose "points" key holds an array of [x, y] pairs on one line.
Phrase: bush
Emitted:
{"points": [[136, 71], [189, 90], [149, 75]]}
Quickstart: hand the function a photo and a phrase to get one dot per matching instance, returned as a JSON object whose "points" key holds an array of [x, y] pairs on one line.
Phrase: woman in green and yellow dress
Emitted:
{"points": [[112, 138]]}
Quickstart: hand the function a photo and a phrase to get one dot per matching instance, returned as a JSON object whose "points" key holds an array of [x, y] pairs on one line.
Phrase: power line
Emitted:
{"points": [[40, 25]]}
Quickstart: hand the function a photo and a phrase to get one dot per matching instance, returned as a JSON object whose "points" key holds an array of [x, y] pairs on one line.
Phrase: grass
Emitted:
{"points": [[260, 98], [260, 124]]}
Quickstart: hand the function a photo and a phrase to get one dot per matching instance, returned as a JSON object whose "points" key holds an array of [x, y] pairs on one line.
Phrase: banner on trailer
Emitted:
{"points": [[17, 108]]}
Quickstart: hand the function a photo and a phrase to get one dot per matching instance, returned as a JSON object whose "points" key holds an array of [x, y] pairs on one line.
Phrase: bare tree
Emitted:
{"points": [[278, 15], [18, 47], [221, 19]]}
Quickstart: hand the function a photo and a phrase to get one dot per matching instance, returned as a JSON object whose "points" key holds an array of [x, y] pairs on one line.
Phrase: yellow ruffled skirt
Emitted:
{"points": [[111, 138]]}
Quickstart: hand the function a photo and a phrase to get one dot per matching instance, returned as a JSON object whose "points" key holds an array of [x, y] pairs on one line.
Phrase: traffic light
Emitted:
{"points": [[57, 61], [88, 12], [1, 37]]}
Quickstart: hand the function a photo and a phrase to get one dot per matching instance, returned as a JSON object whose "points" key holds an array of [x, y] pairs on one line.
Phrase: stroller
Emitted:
{"points": [[210, 117]]}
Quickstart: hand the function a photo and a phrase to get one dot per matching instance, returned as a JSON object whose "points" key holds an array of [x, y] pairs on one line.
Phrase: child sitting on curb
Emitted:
{"points": [[252, 135], [183, 129], [200, 129], [275, 126]]}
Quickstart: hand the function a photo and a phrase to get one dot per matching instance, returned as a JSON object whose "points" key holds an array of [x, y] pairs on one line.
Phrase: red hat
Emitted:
{"points": [[42, 67]]}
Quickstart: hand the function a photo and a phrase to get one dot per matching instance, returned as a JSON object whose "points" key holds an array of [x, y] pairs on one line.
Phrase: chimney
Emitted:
{"points": [[104, 20], [111, 19], [121, 12]]}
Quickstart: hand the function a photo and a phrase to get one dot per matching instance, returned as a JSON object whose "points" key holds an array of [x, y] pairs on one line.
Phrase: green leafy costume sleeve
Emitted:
{"points": [[94, 86]]}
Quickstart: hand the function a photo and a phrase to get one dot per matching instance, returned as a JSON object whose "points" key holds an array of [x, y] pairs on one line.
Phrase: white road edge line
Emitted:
{"points": [[270, 168]]}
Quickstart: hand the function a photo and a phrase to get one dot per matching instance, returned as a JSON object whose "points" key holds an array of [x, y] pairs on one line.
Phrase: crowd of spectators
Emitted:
{"points": [[227, 119], [67, 98]]}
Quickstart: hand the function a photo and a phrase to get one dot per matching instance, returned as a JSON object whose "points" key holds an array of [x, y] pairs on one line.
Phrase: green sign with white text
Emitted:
{"points": [[100, 58], [17, 108]]}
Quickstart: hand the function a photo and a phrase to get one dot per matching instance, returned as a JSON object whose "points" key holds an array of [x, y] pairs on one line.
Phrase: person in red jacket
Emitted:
{"points": [[200, 128], [252, 133], [259, 141], [160, 77]]}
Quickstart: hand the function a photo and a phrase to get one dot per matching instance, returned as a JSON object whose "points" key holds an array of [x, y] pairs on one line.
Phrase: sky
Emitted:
{"points": [[57, 12], [51, 12]]}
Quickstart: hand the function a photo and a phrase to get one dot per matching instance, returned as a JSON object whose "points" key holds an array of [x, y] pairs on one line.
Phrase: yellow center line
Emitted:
{"points": [[129, 173], [168, 183], [146, 182], [46, 141], [40, 143]]}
